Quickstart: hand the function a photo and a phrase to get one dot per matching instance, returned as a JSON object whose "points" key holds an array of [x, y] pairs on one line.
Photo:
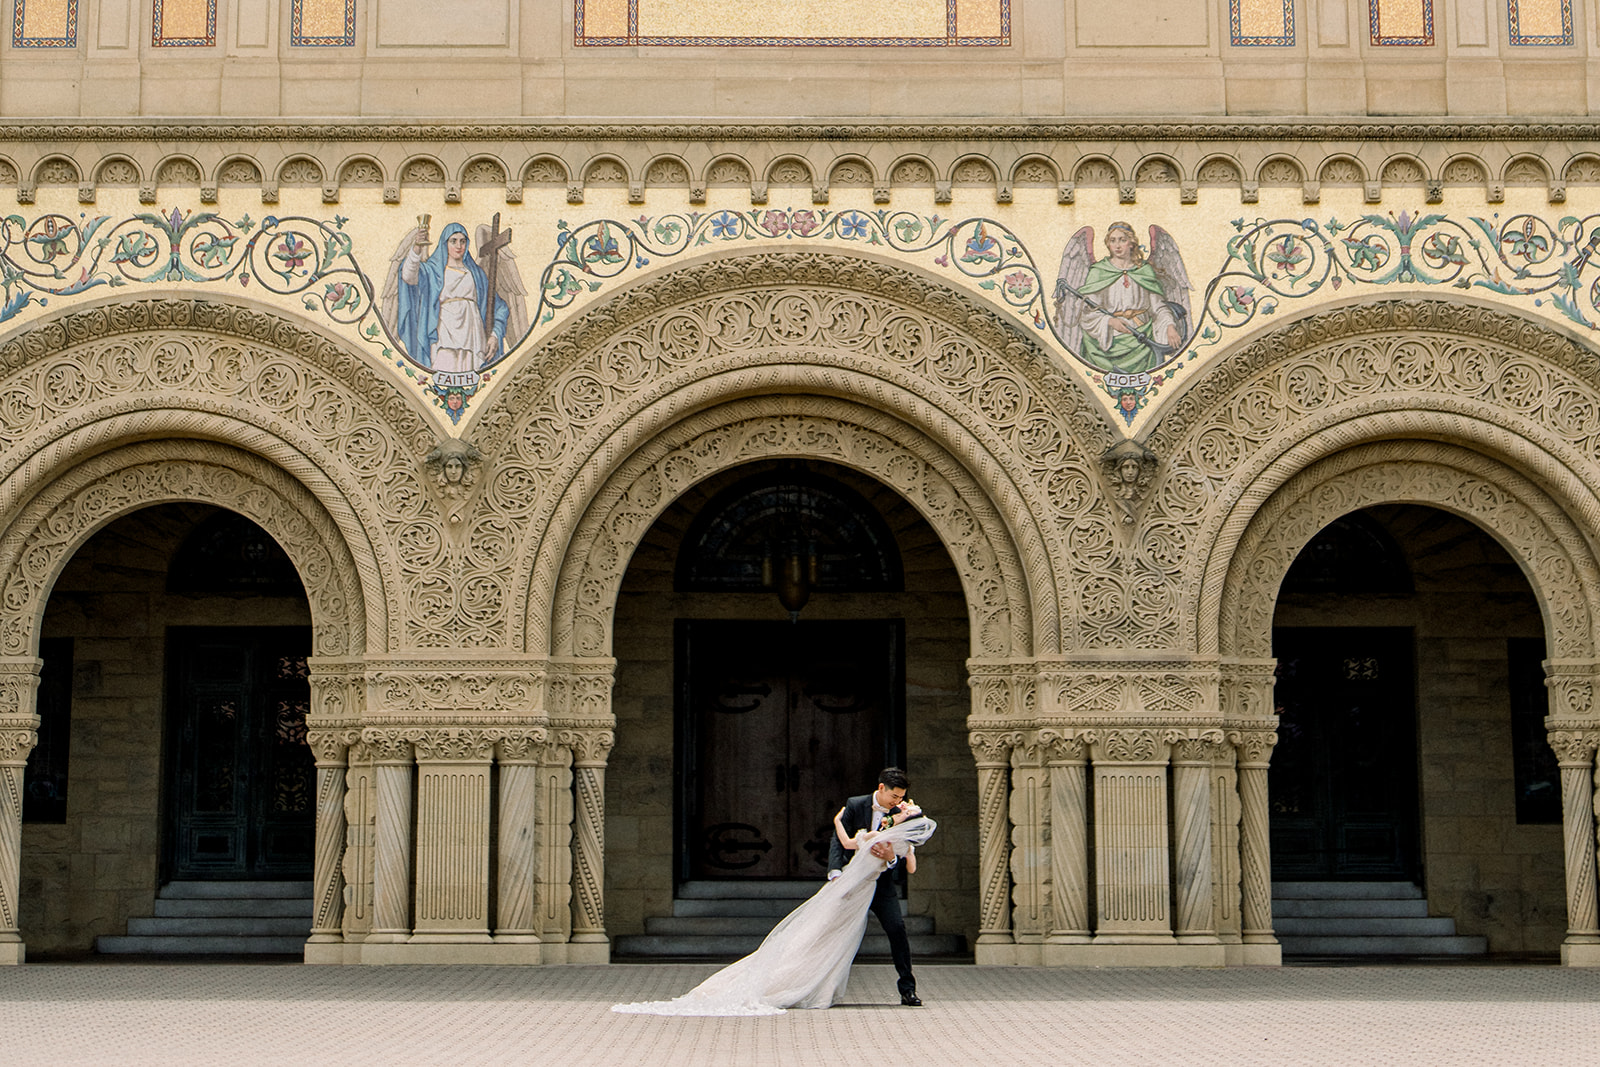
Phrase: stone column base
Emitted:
{"points": [[588, 951], [12, 952], [994, 955], [1255, 955], [1577, 955], [1114, 954], [436, 952]]}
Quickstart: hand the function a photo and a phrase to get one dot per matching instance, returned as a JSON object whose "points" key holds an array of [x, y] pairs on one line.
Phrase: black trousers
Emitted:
{"points": [[886, 906]]}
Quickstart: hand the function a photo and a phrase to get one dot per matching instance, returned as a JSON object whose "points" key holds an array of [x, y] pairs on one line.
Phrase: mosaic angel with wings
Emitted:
{"points": [[439, 305], [1127, 312]]}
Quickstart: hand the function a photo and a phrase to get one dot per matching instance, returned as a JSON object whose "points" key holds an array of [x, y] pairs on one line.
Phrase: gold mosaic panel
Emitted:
{"points": [[792, 22], [45, 23], [1261, 22], [1540, 22], [1401, 22]]}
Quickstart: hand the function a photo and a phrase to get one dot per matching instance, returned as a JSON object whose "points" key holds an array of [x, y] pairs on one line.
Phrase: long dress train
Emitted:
{"points": [[805, 961]]}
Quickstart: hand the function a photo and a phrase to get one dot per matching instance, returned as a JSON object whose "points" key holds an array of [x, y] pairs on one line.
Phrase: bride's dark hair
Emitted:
{"points": [[894, 778]]}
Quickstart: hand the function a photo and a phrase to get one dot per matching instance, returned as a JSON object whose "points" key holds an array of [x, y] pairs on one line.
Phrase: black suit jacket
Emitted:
{"points": [[857, 817]]}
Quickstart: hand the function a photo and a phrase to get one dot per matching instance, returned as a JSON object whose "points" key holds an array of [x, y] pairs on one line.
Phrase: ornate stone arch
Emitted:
{"points": [[1535, 531], [849, 434], [42, 536], [187, 370], [797, 325], [1517, 393]]}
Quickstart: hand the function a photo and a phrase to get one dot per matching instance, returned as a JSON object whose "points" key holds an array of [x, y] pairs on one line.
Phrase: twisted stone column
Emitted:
{"points": [[992, 752], [19, 732], [1191, 817], [1255, 852], [1576, 752], [516, 912], [1067, 757], [327, 872], [391, 861], [589, 750]]}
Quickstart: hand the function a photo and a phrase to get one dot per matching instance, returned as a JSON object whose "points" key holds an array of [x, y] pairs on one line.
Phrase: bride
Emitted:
{"points": [[805, 961]]}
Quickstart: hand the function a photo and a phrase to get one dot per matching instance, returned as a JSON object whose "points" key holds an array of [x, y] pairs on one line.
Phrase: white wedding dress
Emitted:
{"points": [[805, 961]]}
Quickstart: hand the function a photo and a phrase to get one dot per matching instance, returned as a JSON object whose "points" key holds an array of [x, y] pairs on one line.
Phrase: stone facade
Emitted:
{"points": [[1386, 281]]}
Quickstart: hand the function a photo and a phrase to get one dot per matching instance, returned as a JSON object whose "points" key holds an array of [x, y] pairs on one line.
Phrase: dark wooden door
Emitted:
{"points": [[241, 777], [1343, 780], [778, 724]]}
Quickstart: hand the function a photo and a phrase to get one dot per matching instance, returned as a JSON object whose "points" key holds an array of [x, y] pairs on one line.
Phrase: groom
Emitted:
{"points": [[867, 813]]}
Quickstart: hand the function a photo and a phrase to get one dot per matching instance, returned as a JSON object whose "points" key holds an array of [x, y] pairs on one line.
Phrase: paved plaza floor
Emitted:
{"points": [[232, 1015]]}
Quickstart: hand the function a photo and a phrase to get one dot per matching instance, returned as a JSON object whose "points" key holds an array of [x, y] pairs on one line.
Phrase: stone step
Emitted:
{"points": [[1365, 926], [701, 945], [222, 926], [1459, 945], [692, 909], [118, 945], [736, 926], [1345, 891], [254, 907], [233, 890], [1312, 908], [748, 890]]}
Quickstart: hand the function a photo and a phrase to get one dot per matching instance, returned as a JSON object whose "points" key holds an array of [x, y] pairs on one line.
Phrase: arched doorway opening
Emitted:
{"points": [[180, 789], [742, 727], [1415, 803]]}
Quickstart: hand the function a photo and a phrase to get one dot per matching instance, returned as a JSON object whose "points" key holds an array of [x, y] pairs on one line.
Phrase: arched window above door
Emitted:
{"points": [[228, 555], [742, 534]]}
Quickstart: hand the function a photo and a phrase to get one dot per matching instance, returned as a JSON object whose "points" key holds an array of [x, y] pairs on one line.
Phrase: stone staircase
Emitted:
{"points": [[219, 918], [1363, 919], [730, 919]]}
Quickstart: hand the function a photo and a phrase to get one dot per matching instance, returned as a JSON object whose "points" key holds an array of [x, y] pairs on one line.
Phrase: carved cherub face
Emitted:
{"points": [[1128, 470], [454, 470]]}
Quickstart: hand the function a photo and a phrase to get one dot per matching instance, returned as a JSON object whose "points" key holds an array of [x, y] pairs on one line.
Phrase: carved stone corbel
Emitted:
{"points": [[1128, 467], [453, 467]]}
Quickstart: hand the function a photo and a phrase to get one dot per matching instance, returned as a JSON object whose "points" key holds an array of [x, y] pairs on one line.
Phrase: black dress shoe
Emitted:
{"points": [[910, 1000]]}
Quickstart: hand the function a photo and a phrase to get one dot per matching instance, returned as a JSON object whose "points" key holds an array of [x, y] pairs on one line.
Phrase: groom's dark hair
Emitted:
{"points": [[894, 778]]}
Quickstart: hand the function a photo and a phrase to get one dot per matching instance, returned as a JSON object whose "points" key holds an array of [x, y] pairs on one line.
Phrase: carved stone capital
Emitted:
{"points": [[521, 745], [589, 747], [1130, 746], [1194, 747], [1065, 745], [1254, 747], [389, 744], [332, 747], [18, 735], [454, 744], [992, 748], [1574, 748]]}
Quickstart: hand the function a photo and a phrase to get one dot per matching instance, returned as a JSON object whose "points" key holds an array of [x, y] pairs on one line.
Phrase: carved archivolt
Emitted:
{"points": [[41, 537], [75, 385], [1517, 393], [790, 326], [1538, 534], [931, 481]]}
